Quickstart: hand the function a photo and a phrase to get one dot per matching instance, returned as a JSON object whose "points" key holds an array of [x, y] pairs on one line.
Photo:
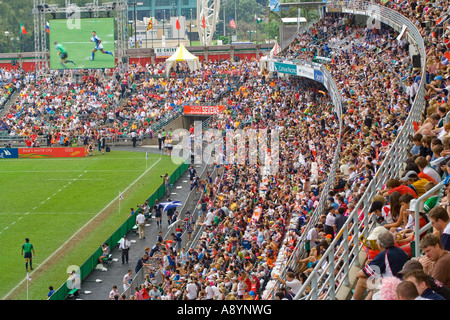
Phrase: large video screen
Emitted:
{"points": [[84, 44]]}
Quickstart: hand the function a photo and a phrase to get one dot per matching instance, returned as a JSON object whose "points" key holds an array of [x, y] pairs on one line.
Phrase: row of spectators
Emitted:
{"points": [[10, 81], [79, 103]]}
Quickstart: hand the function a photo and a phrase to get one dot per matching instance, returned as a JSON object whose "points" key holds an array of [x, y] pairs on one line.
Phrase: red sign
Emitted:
{"points": [[203, 110], [51, 152]]}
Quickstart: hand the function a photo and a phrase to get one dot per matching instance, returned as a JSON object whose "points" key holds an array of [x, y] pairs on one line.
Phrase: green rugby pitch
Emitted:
{"points": [[50, 201]]}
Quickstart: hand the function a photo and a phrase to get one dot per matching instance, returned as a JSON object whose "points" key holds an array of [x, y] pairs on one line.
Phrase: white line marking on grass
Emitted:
{"points": [[87, 223], [74, 179]]}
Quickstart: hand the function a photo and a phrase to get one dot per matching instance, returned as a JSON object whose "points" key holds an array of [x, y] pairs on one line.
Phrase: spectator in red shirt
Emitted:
{"points": [[395, 185]]}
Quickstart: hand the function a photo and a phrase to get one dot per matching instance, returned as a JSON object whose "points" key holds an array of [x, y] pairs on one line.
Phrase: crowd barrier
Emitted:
{"points": [[89, 265]]}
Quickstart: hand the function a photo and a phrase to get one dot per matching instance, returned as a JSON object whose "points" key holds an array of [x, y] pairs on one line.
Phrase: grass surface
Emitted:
{"points": [[50, 200], [76, 39]]}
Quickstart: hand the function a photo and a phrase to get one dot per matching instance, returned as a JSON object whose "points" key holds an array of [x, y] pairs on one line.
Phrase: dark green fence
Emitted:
{"points": [[89, 265]]}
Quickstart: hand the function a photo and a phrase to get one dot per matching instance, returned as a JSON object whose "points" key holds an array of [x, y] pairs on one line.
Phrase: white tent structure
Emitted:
{"points": [[182, 54], [263, 62]]}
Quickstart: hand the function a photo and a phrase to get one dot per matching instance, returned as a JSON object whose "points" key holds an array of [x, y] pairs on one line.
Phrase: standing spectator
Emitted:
{"points": [[191, 290], [103, 144], [28, 253], [166, 178], [142, 262], [114, 293], [144, 292], [124, 246], [127, 279], [177, 241], [339, 221], [134, 138], [329, 222], [436, 260], [140, 221], [188, 225], [170, 213], [313, 238], [192, 173], [440, 220], [160, 140], [157, 209]]}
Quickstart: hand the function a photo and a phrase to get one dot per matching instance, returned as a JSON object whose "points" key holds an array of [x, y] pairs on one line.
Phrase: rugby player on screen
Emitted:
{"points": [[98, 45], [62, 54]]}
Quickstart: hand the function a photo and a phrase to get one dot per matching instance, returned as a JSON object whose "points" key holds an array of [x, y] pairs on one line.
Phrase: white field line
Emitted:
{"points": [[54, 194], [87, 223]]}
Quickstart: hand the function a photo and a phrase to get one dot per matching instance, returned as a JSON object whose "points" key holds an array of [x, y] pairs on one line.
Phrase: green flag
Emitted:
{"points": [[258, 20]]}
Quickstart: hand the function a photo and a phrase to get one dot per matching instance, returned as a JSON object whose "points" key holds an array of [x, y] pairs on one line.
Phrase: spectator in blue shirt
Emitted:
{"points": [[422, 282]]}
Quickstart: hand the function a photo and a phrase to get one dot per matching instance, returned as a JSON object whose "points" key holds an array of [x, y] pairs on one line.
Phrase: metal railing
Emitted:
{"points": [[332, 270], [290, 263]]}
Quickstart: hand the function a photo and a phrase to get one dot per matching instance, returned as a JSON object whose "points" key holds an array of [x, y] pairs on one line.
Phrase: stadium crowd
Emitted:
{"points": [[237, 255], [250, 221], [66, 107]]}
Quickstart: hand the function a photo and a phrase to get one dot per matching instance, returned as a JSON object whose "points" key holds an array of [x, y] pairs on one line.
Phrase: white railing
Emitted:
{"points": [[332, 270]]}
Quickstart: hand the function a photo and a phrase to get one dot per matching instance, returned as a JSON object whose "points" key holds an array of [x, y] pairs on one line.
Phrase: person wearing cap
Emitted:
{"points": [[412, 180], [388, 262], [414, 265]]}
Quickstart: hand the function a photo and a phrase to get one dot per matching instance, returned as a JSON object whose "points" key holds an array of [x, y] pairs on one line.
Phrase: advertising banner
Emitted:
{"points": [[51, 152], [202, 110], [8, 153], [285, 68]]}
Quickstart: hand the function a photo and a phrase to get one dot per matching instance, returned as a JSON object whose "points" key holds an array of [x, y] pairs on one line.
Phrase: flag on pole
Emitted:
{"points": [[178, 26], [28, 277], [232, 23], [22, 29], [203, 22], [150, 24], [120, 195], [48, 27], [146, 155], [258, 20]]}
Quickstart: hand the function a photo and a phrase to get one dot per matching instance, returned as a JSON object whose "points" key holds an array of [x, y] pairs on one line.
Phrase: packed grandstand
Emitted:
{"points": [[353, 167]]}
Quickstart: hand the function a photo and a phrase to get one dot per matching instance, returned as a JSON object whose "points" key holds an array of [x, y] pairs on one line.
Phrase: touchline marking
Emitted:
{"points": [[73, 236], [47, 199]]}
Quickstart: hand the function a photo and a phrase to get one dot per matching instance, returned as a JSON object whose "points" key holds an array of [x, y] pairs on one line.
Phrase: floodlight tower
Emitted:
{"points": [[209, 10]]}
